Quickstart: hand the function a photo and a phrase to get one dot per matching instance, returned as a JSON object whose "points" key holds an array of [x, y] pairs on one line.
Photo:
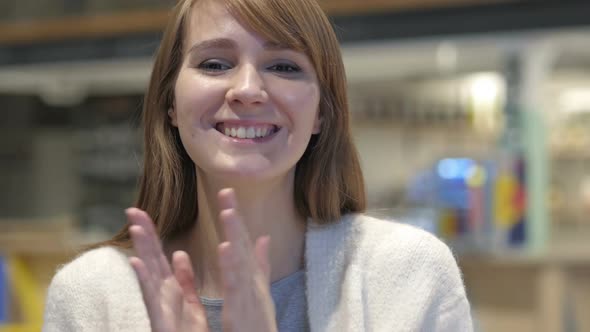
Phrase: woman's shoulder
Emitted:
{"points": [[97, 268], [407, 262], [398, 267], [98, 290], [383, 241], [102, 260], [391, 243], [398, 235], [388, 234]]}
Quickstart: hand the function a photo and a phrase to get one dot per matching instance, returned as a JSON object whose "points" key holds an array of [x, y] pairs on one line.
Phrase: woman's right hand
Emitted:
{"points": [[169, 294]]}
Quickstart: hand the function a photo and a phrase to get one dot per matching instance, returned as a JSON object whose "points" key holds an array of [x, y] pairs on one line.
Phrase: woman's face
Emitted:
{"points": [[244, 106]]}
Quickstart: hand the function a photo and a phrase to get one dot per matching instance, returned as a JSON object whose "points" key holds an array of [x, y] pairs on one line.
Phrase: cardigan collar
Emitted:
{"points": [[327, 253]]}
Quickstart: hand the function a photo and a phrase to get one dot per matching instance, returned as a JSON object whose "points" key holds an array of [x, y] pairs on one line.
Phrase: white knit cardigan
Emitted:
{"points": [[362, 274]]}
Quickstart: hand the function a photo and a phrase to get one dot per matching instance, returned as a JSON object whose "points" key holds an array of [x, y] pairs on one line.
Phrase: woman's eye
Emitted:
{"points": [[213, 66], [286, 68]]}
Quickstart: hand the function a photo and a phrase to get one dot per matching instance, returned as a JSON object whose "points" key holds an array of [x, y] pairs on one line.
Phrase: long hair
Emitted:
{"points": [[328, 177]]}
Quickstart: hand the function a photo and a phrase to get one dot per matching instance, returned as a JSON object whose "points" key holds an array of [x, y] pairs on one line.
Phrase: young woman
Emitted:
{"points": [[250, 201]]}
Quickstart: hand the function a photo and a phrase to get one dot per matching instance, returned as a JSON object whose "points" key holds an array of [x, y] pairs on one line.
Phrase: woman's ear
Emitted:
{"points": [[172, 116]]}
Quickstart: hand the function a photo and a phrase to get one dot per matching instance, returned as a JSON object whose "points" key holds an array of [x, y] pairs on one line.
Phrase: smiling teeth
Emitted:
{"points": [[248, 132]]}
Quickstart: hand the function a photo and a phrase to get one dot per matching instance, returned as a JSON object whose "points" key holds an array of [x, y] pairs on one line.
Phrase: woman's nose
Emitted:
{"points": [[247, 87]]}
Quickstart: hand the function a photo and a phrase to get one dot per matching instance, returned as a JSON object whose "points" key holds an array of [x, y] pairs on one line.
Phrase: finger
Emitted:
{"points": [[246, 290], [141, 218], [227, 266], [231, 286], [141, 244], [183, 271], [228, 207], [235, 231], [232, 221], [239, 254], [262, 258], [151, 240], [148, 290], [227, 199], [145, 250]]}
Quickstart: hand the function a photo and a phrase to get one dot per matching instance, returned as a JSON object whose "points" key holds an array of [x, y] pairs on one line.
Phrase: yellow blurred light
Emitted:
{"points": [[477, 176], [484, 91]]}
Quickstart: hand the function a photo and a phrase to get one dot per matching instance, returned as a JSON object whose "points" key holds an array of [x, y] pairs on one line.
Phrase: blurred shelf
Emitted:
{"points": [[347, 7], [142, 20], [567, 249], [527, 292], [43, 237], [42, 245], [583, 156], [564, 257], [137, 33], [48, 30]]}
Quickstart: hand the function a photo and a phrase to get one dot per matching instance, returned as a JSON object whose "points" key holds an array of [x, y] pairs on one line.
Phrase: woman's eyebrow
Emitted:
{"points": [[225, 43], [274, 46], [217, 43]]}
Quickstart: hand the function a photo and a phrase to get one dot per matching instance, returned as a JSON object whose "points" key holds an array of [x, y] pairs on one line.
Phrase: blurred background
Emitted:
{"points": [[472, 118]]}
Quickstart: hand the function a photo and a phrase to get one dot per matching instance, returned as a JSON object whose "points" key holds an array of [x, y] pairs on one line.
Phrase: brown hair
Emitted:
{"points": [[328, 178]]}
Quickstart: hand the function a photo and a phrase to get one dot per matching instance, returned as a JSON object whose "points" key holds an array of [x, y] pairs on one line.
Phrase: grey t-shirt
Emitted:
{"points": [[288, 295]]}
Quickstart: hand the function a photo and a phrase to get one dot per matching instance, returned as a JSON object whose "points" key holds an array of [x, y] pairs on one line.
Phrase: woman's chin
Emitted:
{"points": [[246, 168], [245, 172], [252, 174]]}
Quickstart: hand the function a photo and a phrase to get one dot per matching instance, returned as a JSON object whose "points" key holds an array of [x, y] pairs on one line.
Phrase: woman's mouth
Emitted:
{"points": [[257, 131]]}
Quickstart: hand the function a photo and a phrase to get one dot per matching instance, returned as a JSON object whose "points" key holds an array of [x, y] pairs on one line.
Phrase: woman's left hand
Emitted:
{"points": [[245, 269]]}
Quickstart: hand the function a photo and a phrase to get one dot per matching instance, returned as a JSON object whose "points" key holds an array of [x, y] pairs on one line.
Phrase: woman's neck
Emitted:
{"points": [[266, 208]]}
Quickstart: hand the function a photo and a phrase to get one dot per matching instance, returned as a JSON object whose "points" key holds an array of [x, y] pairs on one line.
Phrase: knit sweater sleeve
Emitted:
{"points": [[414, 278], [451, 311], [96, 292], [67, 308]]}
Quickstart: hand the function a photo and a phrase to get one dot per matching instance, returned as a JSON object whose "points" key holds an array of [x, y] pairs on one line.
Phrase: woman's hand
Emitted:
{"points": [[245, 270], [169, 294]]}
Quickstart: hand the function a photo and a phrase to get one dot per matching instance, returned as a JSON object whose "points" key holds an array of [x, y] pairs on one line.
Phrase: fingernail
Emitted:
{"points": [[228, 216], [130, 211]]}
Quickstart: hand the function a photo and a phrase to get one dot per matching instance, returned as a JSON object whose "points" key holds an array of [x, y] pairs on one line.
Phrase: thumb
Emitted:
{"points": [[261, 252]]}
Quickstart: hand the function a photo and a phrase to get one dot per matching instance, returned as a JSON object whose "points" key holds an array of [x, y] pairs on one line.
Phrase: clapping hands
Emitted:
{"points": [[168, 290]]}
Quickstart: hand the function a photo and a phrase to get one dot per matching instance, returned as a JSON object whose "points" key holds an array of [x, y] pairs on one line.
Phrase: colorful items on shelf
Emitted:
{"points": [[480, 205], [3, 292], [18, 281]]}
